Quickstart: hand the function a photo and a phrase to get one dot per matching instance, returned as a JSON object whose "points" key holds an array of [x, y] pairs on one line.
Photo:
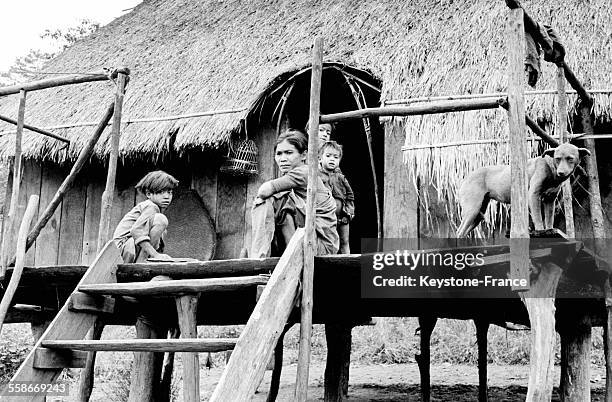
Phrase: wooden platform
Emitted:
{"points": [[337, 292]]}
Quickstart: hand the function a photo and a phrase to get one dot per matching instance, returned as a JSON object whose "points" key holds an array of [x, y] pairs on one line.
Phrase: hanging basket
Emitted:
{"points": [[241, 159]]}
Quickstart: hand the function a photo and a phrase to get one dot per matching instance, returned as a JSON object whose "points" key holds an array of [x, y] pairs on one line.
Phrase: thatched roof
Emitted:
{"points": [[189, 56]]}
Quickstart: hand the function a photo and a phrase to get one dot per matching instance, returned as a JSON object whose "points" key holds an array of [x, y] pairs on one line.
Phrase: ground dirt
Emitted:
{"points": [[399, 382]]}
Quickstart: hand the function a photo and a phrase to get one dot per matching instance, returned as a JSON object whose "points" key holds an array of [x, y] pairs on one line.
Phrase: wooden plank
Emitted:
{"points": [[204, 181], [93, 205], [46, 359], [253, 350], [401, 210], [47, 243], [231, 204], [30, 185], [265, 140], [72, 224], [147, 345], [173, 287], [92, 304], [67, 324]]}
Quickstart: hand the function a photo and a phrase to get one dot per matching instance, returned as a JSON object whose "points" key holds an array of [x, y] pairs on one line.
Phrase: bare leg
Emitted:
{"points": [[343, 232], [159, 224], [262, 229]]}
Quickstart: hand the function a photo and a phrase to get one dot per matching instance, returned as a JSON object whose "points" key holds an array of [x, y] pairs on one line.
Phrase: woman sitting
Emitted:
{"points": [[280, 205]]}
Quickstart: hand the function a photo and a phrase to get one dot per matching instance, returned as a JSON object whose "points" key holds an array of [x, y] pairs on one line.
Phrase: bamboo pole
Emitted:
{"points": [[35, 129], [104, 231], [429, 108], [69, 180], [21, 250], [56, 82], [8, 237], [519, 228], [562, 131], [310, 239]]}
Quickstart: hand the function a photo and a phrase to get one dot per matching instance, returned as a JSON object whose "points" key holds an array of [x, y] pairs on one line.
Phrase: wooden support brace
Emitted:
{"points": [[7, 238], [563, 137], [540, 303], [186, 308], [426, 327], [91, 304], [35, 129], [86, 381], [58, 359], [338, 337], [310, 237]]}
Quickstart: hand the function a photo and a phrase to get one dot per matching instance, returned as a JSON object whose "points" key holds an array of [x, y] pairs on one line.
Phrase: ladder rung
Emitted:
{"points": [[172, 288], [146, 345]]}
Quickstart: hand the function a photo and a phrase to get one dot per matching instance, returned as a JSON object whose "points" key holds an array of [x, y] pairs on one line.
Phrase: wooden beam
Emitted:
{"points": [[9, 235], [68, 324], [36, 129], [57, 82], [186, 308], [482, 328], [447, 106], [86, 380], [7, 297], [254, 348], [519, 228], [45, 359], [146, 345], [174, 287], [310, 236], [91, 304], [69, 180], [426, 327], [537, 130], [563, 137], [573, 81], [104, 231]]}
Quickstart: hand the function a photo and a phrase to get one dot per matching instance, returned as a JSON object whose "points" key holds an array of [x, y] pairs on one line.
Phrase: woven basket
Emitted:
{"points": [[241, 159]]}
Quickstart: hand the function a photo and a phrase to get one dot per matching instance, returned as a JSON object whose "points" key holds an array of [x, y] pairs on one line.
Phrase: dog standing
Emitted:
{"points": [[545, 176]]}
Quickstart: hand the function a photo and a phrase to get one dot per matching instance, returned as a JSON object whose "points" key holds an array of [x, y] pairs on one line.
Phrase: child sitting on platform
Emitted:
{"points": [[140, 233], [330, 155]]}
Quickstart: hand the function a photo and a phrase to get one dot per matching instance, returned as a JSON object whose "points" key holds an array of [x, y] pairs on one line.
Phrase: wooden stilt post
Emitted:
{"points": [[608, 339], [7, 297], [575, 385], [337, 335], [426, 327], [165, 386], [310, 239], [69, 180], [482, 328], [519, 228], [186, 308], [278, 368], [147, 365], [86, 381], [104, 231], [563, 137], [9, 234]]}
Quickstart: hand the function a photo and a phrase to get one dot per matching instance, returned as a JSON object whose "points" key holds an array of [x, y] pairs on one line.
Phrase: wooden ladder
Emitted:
{"points": [[62, 345]]}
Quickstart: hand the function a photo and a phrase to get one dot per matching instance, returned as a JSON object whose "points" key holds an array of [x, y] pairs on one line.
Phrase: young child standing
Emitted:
{"points": [[330, 155], [140, 233]]}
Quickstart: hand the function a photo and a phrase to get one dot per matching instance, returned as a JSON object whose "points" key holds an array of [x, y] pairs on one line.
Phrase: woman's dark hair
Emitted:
{"points": [[294, 137], [156, 182]]}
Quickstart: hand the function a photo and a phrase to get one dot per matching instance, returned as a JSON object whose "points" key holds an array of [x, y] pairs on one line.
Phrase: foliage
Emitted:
{"points": [[25, 67]]}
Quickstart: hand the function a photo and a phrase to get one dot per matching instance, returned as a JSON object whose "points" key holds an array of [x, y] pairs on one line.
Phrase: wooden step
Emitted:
{"points": [[171, 288], [145, 345]]}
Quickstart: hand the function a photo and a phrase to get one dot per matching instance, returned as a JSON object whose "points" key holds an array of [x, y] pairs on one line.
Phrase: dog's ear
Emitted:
{"points": [[549, 152], [583, 152]]}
